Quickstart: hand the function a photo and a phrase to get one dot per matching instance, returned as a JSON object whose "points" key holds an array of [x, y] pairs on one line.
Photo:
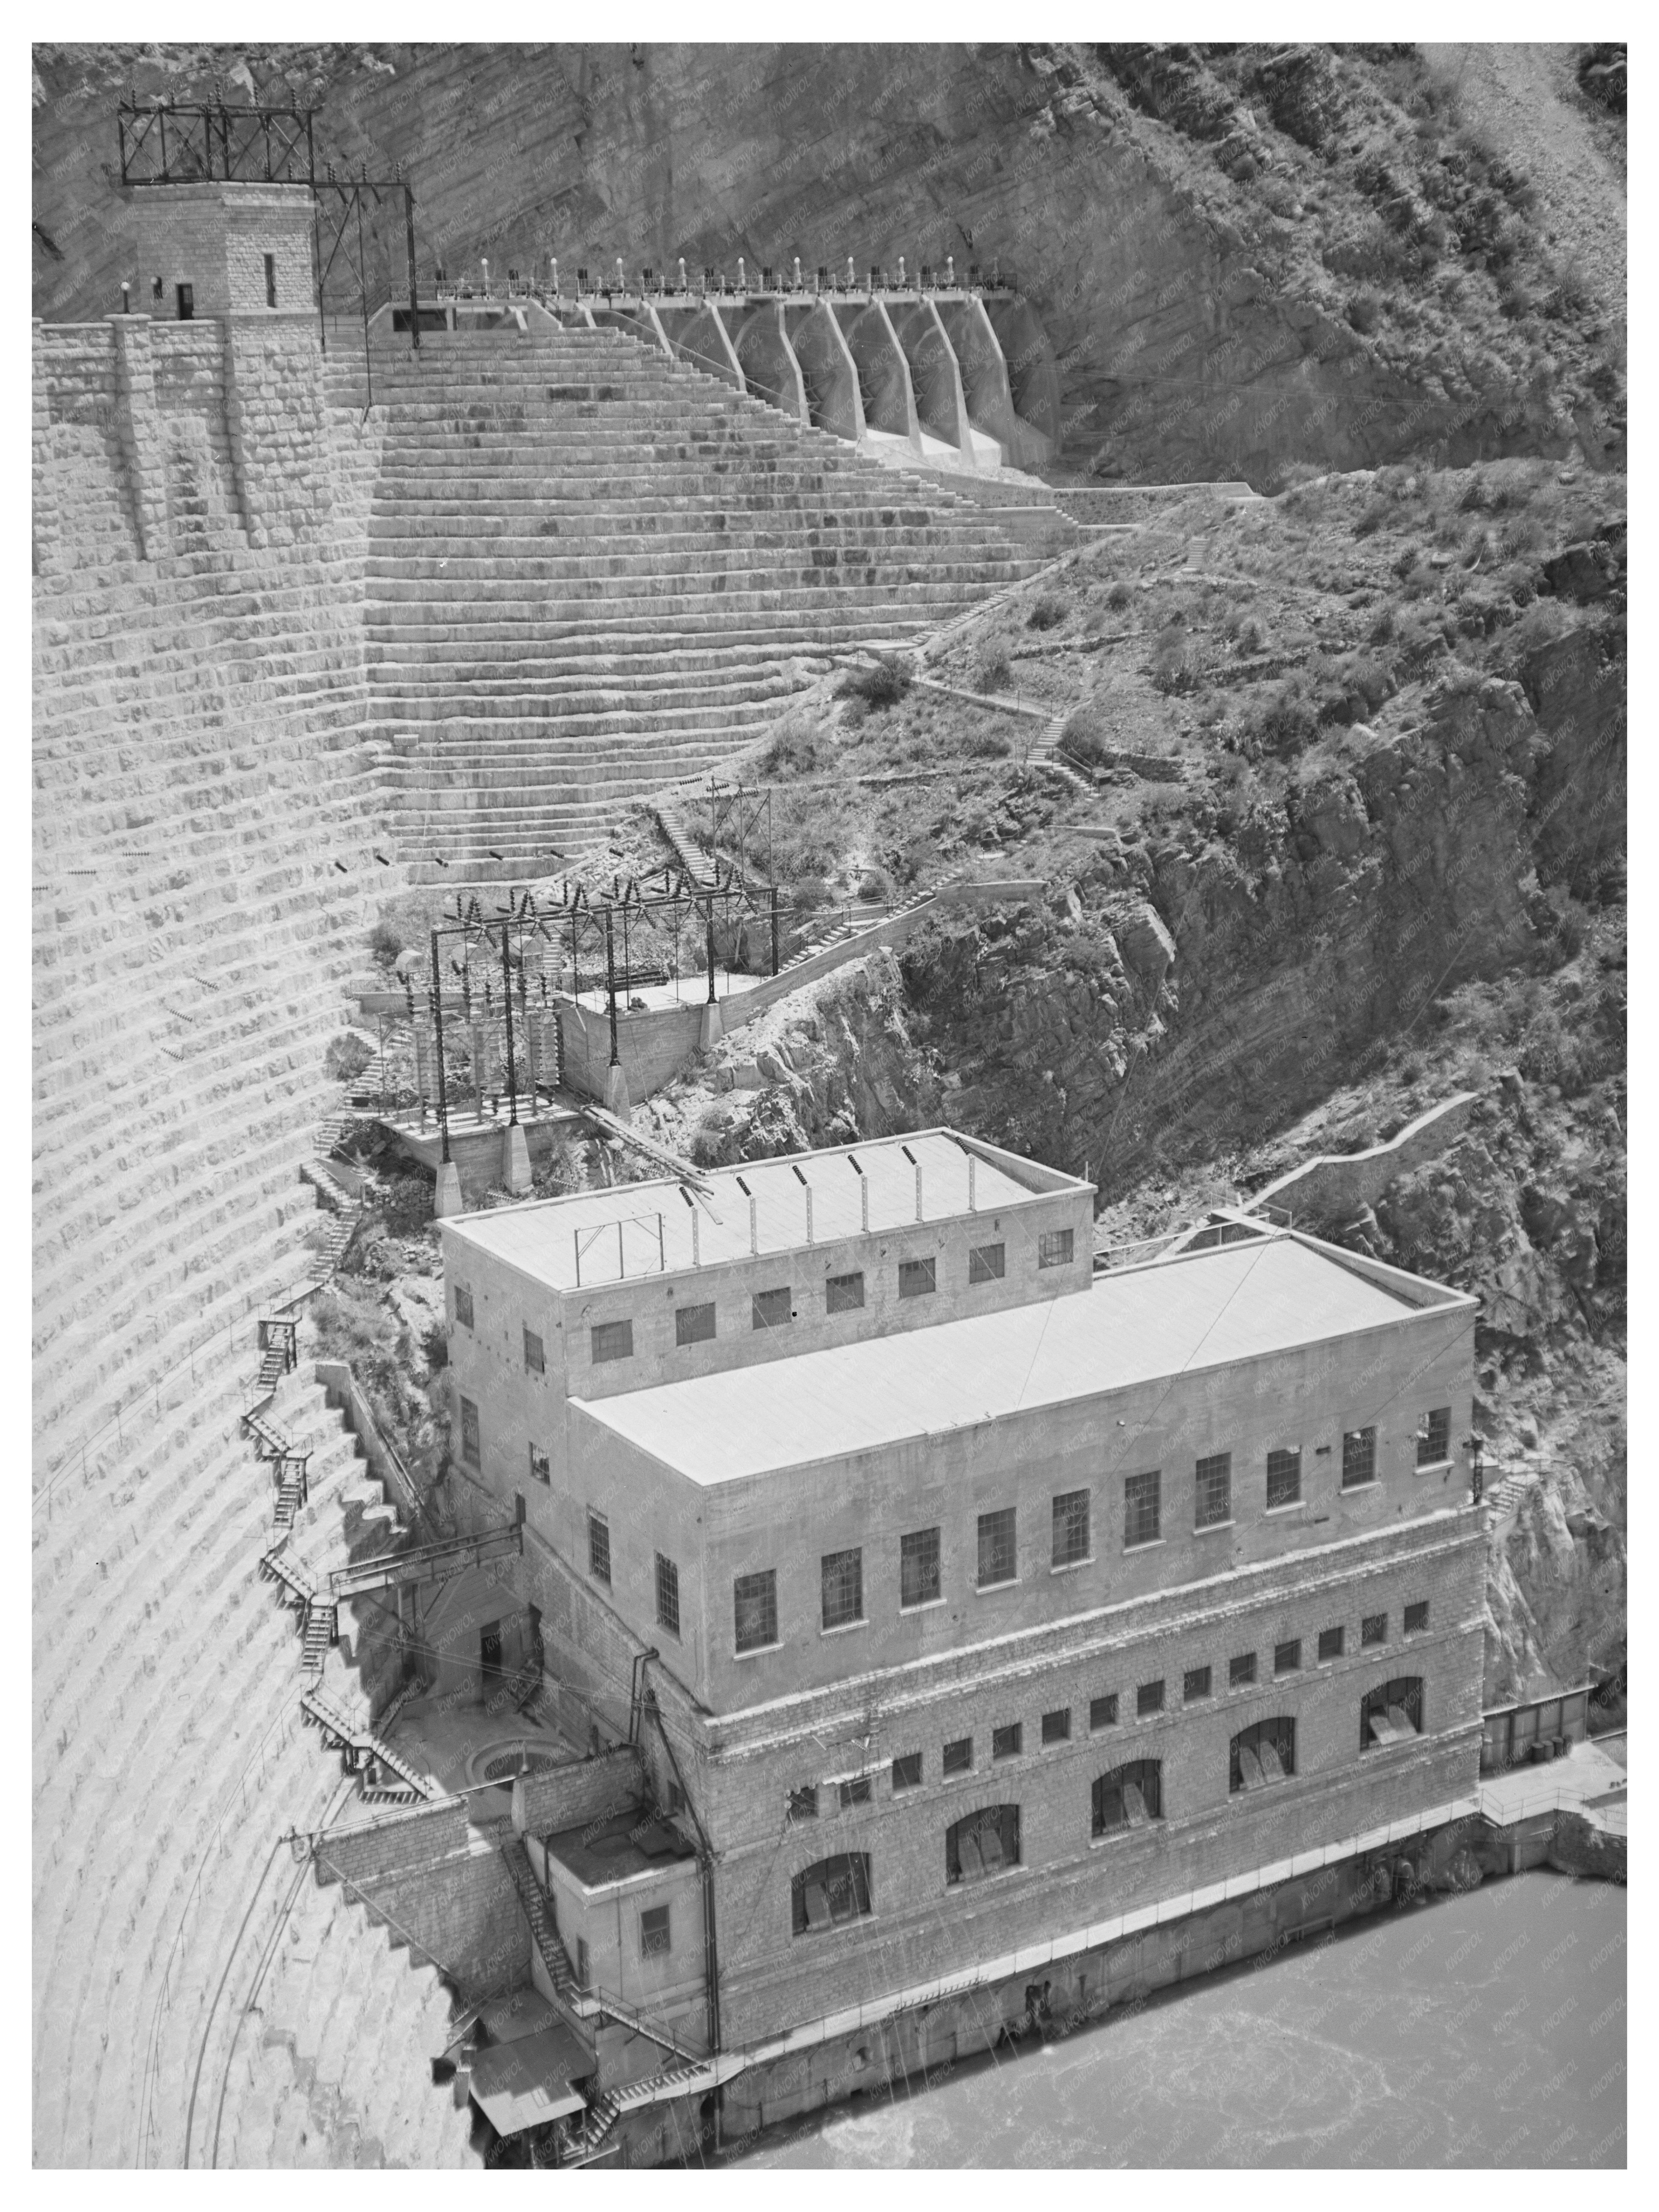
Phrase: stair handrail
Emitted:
{"points": [[419, 1557]]}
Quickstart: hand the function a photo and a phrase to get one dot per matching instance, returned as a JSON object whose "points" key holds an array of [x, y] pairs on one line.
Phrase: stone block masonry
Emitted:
{"points": [[440, 1887]]}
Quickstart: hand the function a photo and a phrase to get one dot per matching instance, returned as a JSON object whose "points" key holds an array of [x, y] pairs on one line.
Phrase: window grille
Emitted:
{"points": [[1057, 1726], [1287, 1657], [541, 1468], [1194, 1684], [668, 1595], [959, 1756], [694, 1324], [844, 1293], [1330, 1643], [755, 1605], [907, 1771], [771, 1308], [841, 1579], [919, 1581], [535, 1357], [1434, 1443], [1241, 1670], [1005, 1741], [1265, 1751], [1127, 1797], [1148, 1698], [831, 1892], [1102, 1711], [1214, 1487], [1141, 1509], [855, 1791], [985, 1842], [803, 1803], [612, 1340], [470, 1447], [1071, 1527], [1374, 1628], [996, 1548], [1416, 1617], [653, 1932], [1359, 1457], [463, 1306], [985, 1263], [916, 1278], [599, 1546], [1284, 1478], [271, 280], [1055, 1248], [1391, 1712]]}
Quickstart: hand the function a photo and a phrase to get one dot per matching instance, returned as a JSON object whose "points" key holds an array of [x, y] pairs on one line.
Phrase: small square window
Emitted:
{"points": [[1006, 1741], [470, 1450], [856, 1791], [959, 1756], [668, 1595], [1434, 1437], [1213, 1490], [463, 1306], [1416, 1617], [1374, 1628], [535, 1358], [1287, 1657], [1194, 1684], [1359, 1457], [1148, 1698], [1057, 1726], [916, 1278], [841, 1581], [996, 1548], [1055, 1248], [1241, 1670], [1330, 1643], [1071, 1527], [612, 1340], [755, 1606], [1284, 1478], [541, 1468], [843, 1294], [1102, 1711], [694, 1324], [907, 1771], [985, 1263], [771, 1308], [1141, 1509], [599, 1546], [803, 1803], [919, 1567], [653, 1932]]}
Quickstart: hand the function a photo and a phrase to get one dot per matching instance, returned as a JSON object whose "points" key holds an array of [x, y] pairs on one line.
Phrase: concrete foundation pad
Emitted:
{"points": [[515, 1159], [709, 1030], [616, 1100], [448, 1199]]}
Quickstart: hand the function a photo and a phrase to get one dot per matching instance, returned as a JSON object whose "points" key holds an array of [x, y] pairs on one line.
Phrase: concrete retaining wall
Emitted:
{"points": [[1340, 1183], [440, 1887]]}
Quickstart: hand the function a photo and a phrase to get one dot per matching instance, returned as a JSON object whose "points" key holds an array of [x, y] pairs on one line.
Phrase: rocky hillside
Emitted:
{"points": [[1246, 257]]}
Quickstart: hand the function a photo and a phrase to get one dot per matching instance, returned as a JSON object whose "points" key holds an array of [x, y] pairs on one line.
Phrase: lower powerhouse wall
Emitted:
{"points": [[440, 1887]]}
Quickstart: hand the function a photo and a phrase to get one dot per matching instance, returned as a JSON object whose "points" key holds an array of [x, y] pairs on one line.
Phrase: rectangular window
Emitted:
{"points": [[985, 1263], [1057, 1727], [996, 1548], [919, 1567], [1416, 1617], [1359, 1457], [1194, 1684], [1287, 1657], [959, 1756], [1102, 1711], [1330, 1643], [1213, 1502], [754, 1606], [1374, 1628], [599, 1546], [469, 1432], [772, 1308], [186, 303], [844, 1293], [1434, 1439], [612, 1340], [1148, 1698], [535, 1358], [1006, 1741], [541, 1468], [668, 1595], [653, 1932], [907, 1771], [1241, 1670], [271, 280], [1071, 1531], [842, 1581], [1284, 1479], [1141, 1508], [803, 1803], [694, 1324], [916, 1278], [856, 1791], [463, 1306], [1054, 1249]]}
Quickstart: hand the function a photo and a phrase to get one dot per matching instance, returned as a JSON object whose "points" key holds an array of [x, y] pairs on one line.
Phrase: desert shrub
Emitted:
{"points": [[874, 884], [385, 941], [992, 673], [406, 1205], [792, 751], [1286, 721], [1120, 595], [808, 893], [1381, 628], [1364, 312], [985, 744], [1048, 613], [1082, 738], [884, 685], [346, 1057]]}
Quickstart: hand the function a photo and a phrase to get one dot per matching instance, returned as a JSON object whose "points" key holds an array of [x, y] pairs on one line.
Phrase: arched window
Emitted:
{"points": [[983, 1844], [1391, 1712], [830, 1891], [1129, 1796], [1265, 1751]]}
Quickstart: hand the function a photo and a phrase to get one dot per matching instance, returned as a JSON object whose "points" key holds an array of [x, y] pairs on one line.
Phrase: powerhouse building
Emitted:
{"points": [[972, 1607]]}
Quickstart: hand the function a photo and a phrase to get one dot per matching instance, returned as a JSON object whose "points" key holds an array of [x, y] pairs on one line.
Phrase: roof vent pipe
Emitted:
{"points": [[807, 1188], [971, 1208], [864, 1192], [754, 1238]]}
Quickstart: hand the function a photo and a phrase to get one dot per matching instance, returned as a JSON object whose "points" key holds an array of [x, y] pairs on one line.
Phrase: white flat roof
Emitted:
{"points": [[641, 1229], [1236, 1302]]}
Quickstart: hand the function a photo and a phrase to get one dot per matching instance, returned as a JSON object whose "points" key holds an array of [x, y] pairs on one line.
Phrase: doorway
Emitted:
{"points": [[186, 303]]}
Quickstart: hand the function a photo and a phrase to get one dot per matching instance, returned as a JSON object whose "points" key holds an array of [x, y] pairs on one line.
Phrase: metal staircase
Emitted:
{"points": [[362, 1748]]}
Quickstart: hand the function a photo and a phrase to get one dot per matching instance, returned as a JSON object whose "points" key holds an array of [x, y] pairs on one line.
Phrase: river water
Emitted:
{"points": [[1485, 2030]]}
